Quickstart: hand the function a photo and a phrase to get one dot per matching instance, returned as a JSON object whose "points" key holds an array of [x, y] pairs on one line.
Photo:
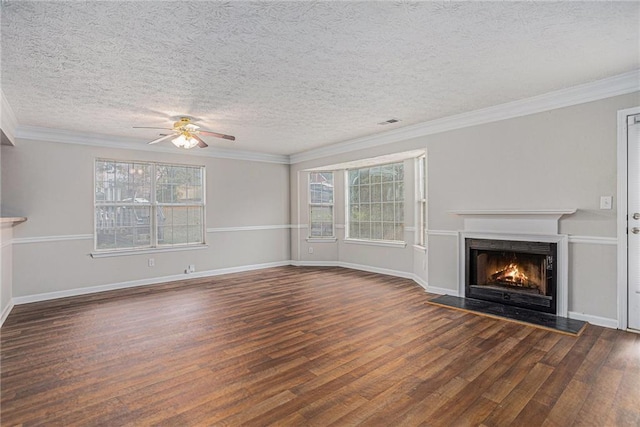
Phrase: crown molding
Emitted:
{"points": [[8, 122], [613, 86], [99, 140]]}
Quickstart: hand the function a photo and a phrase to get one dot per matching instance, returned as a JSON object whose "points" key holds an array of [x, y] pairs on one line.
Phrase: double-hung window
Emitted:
{"points": [[421, 186], [144, 205], [321, 205], [376, 203]]}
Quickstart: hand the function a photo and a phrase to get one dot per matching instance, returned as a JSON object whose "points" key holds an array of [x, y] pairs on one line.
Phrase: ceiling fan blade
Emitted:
{"points": [[162, 138], [151, 127], [201, 143], [217, 135]]}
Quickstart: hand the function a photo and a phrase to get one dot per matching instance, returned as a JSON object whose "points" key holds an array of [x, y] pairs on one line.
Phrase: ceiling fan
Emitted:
{"points": [[186, 134]]}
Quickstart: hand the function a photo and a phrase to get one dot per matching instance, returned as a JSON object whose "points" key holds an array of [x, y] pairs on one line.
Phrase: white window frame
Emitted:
{"points": [[421, 201], [369, 240], [322, 205], [154, 205]]}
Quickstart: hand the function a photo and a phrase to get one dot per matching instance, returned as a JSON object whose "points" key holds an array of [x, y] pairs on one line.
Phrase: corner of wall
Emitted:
{"points": [[6, 260], [8, 122], [5, 312]]}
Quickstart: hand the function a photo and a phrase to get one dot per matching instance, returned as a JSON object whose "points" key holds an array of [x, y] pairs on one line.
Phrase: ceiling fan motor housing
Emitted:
{"points": [[182, 122]]}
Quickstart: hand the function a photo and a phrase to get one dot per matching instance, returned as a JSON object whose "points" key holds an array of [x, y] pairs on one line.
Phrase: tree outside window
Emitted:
{"points": [[376, 203], [141, 205]]}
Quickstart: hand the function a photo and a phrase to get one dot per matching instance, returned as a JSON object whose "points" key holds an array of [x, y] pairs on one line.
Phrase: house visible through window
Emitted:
{"points": [[142, 205], [376, 203], [321, 204]]}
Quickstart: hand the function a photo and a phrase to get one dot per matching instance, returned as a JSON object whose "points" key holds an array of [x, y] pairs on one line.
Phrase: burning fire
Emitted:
{"points": [[511, 275]]}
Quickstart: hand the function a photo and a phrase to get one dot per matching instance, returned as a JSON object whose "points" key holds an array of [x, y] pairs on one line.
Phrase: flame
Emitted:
{"points": [[510, 274]]}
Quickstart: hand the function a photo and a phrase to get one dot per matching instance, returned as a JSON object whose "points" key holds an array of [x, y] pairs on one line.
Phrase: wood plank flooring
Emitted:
{"points": [[303, 347]]}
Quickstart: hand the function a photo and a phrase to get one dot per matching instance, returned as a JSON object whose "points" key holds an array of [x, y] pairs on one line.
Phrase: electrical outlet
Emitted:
{"points": [[191, 268], [152, 262], [310, 249]]}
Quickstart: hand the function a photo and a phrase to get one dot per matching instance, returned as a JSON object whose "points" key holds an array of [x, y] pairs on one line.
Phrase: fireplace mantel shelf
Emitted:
{"points": [[11, 221], [518, 221], [515, 212]]}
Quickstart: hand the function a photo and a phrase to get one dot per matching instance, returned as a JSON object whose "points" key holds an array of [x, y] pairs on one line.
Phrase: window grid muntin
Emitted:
{"points": [[155, 207], [321, 184], [376, 195]]}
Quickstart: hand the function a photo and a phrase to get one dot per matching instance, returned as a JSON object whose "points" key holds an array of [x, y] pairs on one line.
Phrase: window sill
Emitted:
{"points": [[385, 243], [108, 254], [322, 239], [420, 248]]}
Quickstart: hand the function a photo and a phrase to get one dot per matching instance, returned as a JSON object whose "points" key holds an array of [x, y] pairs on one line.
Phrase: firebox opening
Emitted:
{"points": [[519, 272], [512, 272]]}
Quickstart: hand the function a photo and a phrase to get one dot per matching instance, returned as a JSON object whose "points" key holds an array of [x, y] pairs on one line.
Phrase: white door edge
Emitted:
{"points": [[622, 282]]}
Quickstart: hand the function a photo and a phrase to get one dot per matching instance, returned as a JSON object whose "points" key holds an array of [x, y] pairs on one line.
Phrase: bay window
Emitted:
{"points": [[375, 208]]}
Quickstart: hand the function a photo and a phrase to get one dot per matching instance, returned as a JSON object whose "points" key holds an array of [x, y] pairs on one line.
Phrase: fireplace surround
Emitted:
{"points": [[516, 229]]}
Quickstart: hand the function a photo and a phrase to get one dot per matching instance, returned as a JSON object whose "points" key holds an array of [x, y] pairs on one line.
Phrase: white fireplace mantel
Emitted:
{"points": [[541, 221], [525, 225], [11, 221], [519, 212]]}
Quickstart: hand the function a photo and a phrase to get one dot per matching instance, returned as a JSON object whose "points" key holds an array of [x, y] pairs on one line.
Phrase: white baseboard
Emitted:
{"points": [[371, 269], [361, 267], [208, 273], [5, 312], [594, 320], [420, 281], [143, 282], [434, 289], [443, 291], [314, 263], [379, 270]]}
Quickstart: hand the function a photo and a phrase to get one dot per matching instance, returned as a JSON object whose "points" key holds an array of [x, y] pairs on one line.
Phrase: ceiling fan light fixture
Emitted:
{"points": [[186, 134], [185, 141]]}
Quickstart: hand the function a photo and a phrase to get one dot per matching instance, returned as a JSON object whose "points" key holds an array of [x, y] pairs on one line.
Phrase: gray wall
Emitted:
{"points": [[52, 184], [564, 158]]}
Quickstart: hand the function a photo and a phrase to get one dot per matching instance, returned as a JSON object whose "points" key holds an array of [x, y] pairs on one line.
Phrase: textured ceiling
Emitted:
{"points": [[286, 77]]}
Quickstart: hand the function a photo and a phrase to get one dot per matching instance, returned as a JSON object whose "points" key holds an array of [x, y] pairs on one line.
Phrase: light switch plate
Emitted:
{"points": [[606, 202]]}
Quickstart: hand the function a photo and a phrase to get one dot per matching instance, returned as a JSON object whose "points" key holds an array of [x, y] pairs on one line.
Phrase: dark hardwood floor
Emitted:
{"points": [[303, 346]]}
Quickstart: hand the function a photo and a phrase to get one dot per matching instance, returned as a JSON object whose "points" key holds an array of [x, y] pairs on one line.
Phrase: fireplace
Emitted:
{"points": [[513, 272], [534, 236]]}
